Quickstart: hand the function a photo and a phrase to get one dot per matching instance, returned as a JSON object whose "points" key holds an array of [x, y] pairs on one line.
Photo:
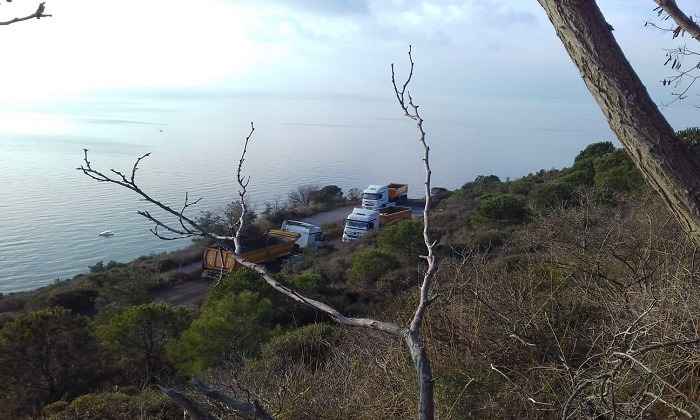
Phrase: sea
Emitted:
{"points": [[51, 213]]}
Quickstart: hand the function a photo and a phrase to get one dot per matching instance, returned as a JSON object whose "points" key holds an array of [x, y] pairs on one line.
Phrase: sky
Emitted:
{"points": [[472, 52]]}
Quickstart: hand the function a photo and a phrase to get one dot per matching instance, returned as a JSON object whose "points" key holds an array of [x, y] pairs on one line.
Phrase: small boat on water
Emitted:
{"points": [[106, 234]]}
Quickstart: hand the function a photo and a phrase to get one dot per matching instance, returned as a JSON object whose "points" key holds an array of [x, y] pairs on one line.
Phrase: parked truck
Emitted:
{"points": [[275, 244], [377, 197], [310, 236], [362, 220]]}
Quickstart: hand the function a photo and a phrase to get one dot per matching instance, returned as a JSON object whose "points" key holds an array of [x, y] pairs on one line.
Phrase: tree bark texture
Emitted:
{"points": [[664, 160]]}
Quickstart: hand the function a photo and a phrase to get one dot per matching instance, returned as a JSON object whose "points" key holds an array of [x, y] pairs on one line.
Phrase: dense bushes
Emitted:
{"points": [[553, 194], [502, 207], [369, 264], [404, 238], [306, 345], [229, 326], [138, 336], [149, 404], [45, 355], [79, 301]]}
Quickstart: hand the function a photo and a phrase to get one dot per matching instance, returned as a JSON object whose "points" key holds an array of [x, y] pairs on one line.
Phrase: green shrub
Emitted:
{"points": [[594, 150], [308, 345], [580, 175], [369, 264], [115, 406], [232, 325], [307, 281], [101, 266], [79, 301], [327, 196], [553, 194], [691, 135], [139, 335], [236, 282], [502, 207], [404, 237], [522, 186], [615, 171], [45, 355], [488, 239]]}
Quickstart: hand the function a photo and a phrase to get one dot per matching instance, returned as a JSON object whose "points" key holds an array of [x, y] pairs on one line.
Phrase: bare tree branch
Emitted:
{"points": [[247, 409], [38, 14], [243, 184], [684, 22], [190, 228], [413, 339], [192, 408]]}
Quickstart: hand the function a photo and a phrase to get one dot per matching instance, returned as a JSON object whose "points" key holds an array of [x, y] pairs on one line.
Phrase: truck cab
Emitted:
{"points": [[310, 235], [376, 197], [359, 223]]}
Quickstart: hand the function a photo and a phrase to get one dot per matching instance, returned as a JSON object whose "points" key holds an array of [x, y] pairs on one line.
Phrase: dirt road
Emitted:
{"points": [[331, 216]]}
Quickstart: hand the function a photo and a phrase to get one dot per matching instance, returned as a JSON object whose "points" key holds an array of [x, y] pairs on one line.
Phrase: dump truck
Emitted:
{"points": [[275, 244], [310, 236], [376, 197], [362, 220]]}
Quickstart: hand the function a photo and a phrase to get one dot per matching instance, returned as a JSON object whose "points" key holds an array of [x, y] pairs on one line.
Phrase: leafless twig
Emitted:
{"points": [[38, 14]]}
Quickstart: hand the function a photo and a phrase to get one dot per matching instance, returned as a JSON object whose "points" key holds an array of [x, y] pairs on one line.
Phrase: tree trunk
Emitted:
{"points": [[421, 362], [664, 160]]}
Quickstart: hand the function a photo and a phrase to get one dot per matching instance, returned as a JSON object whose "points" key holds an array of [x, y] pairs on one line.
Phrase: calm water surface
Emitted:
{"points": [[50, 214]]}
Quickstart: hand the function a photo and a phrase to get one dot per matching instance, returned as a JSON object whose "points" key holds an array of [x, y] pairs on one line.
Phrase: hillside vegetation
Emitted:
{"points": [[566, 293]]}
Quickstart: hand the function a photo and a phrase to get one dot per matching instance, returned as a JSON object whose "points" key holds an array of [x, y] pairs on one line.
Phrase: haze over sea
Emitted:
{"points": [[51, 214]]}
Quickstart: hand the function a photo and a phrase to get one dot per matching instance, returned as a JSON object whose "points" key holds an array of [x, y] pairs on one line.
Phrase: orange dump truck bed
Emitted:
{"points": [[276, 244], [397, 192], [395, 214]]}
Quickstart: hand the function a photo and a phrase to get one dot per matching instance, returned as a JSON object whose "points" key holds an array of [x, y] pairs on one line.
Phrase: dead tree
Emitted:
{"points": [[186, 227], [39, 13], [664, 160]]}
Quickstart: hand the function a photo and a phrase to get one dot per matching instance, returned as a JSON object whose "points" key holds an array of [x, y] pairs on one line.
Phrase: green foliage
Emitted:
{"points": [[594, 150], [45, 355], [124, 285], [369, 264], [582, 174], [691, 135], [101, 267], [502, 207], [79, 301], [328, 195], [149, 404], [307, 345], [522, 186], [553, 195], [232, 324], [404, 237], [615, 171], [307, 281], [487, 180], [236, 282], [140, 334]]}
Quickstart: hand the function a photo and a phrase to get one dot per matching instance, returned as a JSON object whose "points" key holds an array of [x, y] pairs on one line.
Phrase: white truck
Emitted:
{"points": [[362, 220], [310, 236], [377, 197]]}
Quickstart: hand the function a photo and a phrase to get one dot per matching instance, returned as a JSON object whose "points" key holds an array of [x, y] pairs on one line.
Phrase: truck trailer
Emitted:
{"points": [[275, 244], [376, 197]]}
